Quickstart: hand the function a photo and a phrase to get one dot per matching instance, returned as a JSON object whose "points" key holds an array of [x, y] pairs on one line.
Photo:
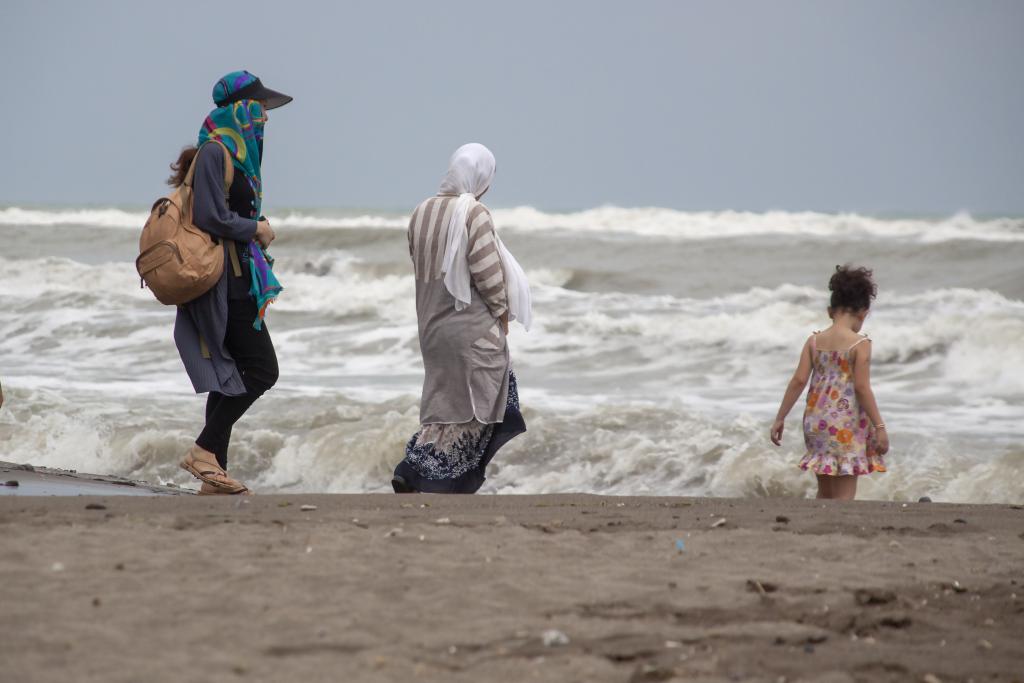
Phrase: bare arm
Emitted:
{"points": [[865, 396], [793, 391]]}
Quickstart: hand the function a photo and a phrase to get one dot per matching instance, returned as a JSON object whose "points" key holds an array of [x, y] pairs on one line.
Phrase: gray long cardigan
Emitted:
{"points": [[207, 316]]}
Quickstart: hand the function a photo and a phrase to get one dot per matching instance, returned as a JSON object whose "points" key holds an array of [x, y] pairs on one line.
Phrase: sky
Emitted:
{"points": [[873, 106]]}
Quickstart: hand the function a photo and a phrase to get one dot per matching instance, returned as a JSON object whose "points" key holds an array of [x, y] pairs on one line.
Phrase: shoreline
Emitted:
{"points": [[379, 587], [30, 480]]}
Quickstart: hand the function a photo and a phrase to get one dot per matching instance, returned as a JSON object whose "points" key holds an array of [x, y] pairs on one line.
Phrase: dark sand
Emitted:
{"points": [[430, 588]]}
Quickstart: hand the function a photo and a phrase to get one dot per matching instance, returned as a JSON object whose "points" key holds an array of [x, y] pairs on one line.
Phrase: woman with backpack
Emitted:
{"points": [[221, 337]]}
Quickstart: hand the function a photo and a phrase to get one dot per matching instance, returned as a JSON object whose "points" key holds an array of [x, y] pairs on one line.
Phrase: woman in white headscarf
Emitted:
{"points": [[468, 288]]}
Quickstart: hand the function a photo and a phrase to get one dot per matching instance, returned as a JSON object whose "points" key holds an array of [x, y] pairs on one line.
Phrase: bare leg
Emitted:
{"points": [[824, 486], [845, 487]]}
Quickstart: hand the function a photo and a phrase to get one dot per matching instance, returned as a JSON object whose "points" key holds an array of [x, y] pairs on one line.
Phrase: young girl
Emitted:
{"points": [[843, 429]]}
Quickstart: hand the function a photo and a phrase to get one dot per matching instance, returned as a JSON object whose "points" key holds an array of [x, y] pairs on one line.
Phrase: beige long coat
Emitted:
{"points": [[465, 354]]}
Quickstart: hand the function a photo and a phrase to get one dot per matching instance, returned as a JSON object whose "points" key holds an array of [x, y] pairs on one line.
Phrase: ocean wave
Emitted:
{"points": [[642, 392], [645, 222], [101, 218], [611, 447], [301, 220], [338, 312], [700, 225]]}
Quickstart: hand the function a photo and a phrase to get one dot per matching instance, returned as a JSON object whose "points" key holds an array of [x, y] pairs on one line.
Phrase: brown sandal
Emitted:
{"points": [[211, 473], [223, 492]]}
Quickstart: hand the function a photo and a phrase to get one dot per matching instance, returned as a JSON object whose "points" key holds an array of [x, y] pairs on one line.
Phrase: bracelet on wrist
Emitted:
{"points": [[880, 425]]}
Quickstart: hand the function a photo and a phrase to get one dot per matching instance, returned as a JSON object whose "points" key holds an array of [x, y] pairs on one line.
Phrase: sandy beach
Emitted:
{"points": [[507, 588]]}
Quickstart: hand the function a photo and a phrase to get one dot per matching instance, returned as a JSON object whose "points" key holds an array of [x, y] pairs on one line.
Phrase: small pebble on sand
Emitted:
{"points": [[12, 482], [308, 508], [720, 522], [554, 638], [442, 520]]}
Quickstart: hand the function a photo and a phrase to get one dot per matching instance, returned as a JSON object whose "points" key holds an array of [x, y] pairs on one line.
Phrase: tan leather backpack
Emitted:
{"points": [[178, 261]]}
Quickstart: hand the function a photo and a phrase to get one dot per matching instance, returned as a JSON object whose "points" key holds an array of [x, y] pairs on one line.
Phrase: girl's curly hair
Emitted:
{"points": [[852, 288]]}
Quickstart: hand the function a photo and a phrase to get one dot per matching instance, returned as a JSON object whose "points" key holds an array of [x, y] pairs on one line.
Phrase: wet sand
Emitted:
{"points": [[507, 588], [28, 480]]}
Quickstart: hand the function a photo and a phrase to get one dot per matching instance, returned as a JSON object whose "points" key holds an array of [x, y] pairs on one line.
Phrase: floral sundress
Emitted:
{"points": [[839, 436]]}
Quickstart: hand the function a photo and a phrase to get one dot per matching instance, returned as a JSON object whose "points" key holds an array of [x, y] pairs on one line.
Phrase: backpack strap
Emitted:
{"points": [[229, 178], [236, 266], [229, 169], [204, 350], [229, 166]]}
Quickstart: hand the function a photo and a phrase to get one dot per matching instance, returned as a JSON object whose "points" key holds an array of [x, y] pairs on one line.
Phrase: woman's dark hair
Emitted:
{"points": [[852, 288], [179, 169]]}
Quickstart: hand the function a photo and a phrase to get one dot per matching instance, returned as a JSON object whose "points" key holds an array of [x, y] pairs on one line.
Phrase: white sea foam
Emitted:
{"points": [[628, 448], [103, 218], [658, 222], [646, 222], [664, 386], [327, 222], [350, 321]]}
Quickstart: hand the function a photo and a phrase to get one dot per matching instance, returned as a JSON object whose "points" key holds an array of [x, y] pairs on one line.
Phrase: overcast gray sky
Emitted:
{"points": [[870, 106]]}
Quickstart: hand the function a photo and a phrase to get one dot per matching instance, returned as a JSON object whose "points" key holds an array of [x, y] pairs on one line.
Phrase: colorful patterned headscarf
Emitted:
{"points": [[239, 126]]}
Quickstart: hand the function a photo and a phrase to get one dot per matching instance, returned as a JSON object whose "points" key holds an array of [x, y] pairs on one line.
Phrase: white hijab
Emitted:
{"points": [[470, 173]]}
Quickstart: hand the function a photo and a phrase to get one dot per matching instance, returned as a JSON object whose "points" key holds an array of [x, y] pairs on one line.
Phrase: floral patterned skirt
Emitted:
{"points": [[443, 458], [843, 456]]}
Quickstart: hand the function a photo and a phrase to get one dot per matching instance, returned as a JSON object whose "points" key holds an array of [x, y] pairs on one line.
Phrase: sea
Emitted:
{"points": [[662, 344]]}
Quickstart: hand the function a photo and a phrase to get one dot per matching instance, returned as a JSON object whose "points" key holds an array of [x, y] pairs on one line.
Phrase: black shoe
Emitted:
{"points": [[400, 485]]}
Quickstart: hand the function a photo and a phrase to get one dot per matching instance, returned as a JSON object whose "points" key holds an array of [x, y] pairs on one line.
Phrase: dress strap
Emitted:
{"points": [[814, 340], [862, 339]]}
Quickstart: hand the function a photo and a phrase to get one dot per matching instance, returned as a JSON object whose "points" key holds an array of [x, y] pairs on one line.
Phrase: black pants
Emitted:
{"points": [[254, 355]]}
